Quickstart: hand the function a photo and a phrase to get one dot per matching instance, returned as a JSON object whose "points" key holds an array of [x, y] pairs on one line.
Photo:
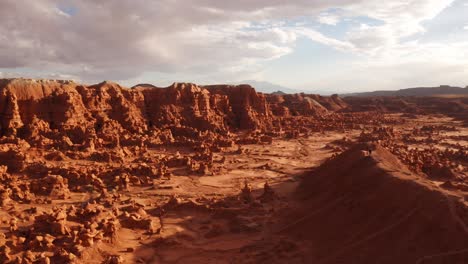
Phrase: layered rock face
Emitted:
{"points": [[185, 104], [27, 105], [29, 108], [250, 109]]}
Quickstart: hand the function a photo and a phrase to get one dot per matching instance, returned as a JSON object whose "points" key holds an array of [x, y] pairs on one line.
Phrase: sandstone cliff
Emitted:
{"points": [[30, 108]]}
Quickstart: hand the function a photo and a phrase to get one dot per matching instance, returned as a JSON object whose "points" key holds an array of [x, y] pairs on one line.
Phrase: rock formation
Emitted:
{"points": [[73, 108], [98, 173]]}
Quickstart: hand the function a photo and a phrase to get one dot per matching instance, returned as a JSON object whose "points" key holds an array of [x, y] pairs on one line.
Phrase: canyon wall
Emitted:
{"points": [[31, 107]]}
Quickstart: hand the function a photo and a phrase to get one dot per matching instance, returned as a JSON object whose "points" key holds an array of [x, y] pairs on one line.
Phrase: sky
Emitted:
{"points": [[332, 45]]}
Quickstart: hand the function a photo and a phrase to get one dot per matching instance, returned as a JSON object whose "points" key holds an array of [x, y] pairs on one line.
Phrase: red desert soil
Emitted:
{"points": [[362, 208], [223, 174]]}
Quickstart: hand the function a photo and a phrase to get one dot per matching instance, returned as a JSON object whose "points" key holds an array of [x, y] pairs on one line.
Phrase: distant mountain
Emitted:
{"points": [[260, 86], [268, 87], [418, 91]]}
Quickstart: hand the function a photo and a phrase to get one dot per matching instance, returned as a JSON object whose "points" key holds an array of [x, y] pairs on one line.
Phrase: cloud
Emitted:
{"points": [[400, 19], [329, 19], [410, 64], [322, 39], [38, 75], [372, 40], [121, 39]]}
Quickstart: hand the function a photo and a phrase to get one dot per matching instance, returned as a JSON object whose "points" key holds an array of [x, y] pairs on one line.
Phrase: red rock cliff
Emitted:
{"points": [[31, 107]]}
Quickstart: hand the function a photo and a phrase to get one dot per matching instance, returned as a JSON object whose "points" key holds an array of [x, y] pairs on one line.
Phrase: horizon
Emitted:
{"points": [[286, 90], [333, 47]]}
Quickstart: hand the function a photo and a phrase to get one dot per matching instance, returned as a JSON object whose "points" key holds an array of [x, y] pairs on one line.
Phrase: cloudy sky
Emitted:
{"points": [[335, 45]]}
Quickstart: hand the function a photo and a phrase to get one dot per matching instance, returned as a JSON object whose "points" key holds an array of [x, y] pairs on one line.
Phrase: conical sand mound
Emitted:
{"points": [[364, 208]]}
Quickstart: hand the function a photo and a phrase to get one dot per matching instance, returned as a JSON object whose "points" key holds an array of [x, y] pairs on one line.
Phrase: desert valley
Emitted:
{"points": [[225, 174]]}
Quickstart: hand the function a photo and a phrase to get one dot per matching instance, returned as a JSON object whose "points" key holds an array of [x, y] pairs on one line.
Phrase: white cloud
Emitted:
{"points": [[322, 39], [121, 39], [410, 64], [400, 19], [372, 40], [328, 19]]}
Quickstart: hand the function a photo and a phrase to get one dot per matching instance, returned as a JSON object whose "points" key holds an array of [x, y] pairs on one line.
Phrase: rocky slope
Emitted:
{"points": [[357, 205]]}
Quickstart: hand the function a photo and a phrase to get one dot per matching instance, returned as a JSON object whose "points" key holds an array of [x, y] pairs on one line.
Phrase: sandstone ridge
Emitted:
{"points": [[27, 104]]}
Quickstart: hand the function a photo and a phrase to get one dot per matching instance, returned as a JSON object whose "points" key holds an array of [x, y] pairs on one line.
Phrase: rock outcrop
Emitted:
{"points": [[30, 108]]}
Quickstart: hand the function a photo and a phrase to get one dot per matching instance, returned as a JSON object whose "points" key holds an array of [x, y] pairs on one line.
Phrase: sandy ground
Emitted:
{"points": [[207, 220]]}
